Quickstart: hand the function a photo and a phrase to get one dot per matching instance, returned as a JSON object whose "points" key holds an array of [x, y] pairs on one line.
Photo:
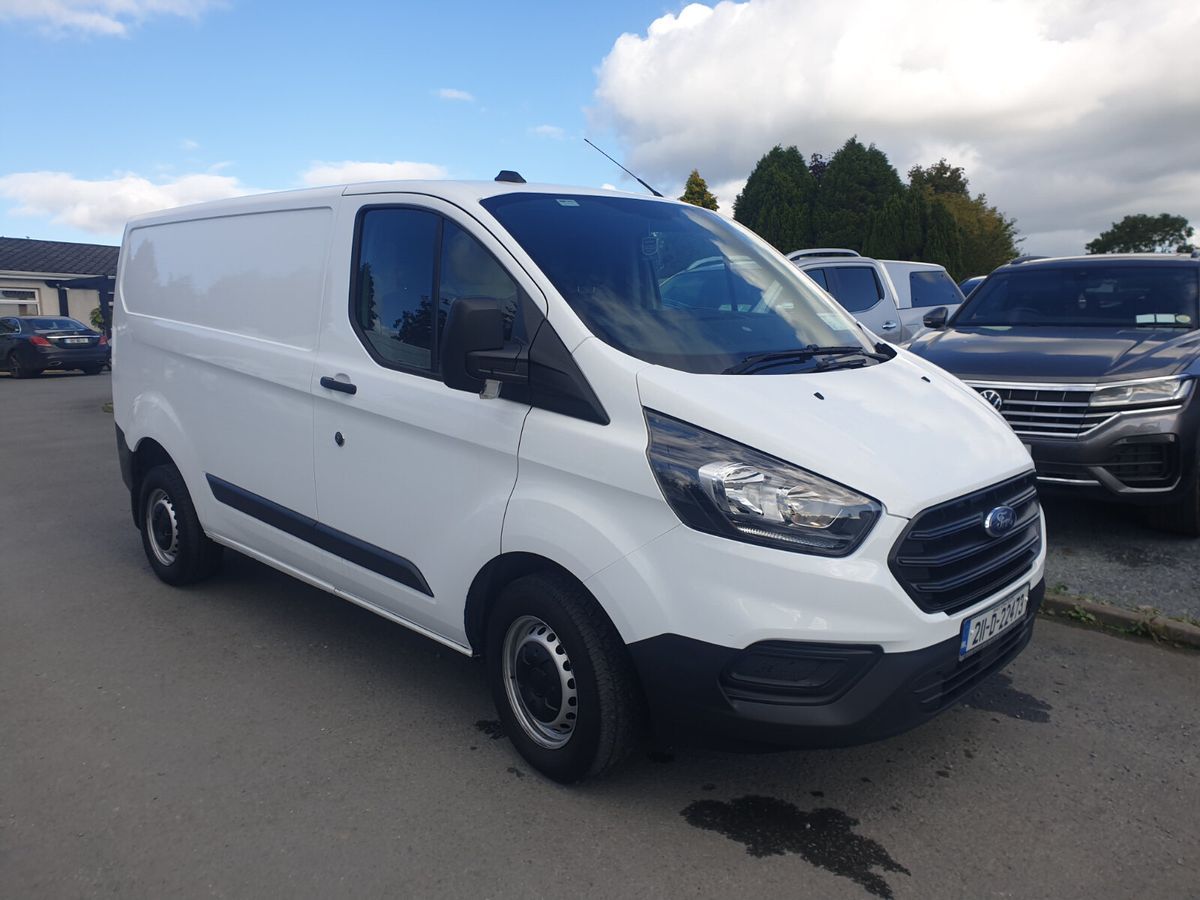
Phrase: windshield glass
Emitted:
{"points": [[673, 284], [1089, 295], [57, 325]]}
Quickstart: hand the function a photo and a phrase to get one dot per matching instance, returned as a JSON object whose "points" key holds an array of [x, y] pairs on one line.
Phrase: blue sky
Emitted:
{"points": [[1068, 115], [261, 91]]}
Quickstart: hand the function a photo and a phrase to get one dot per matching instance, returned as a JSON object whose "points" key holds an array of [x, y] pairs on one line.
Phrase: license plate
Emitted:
{"points": [[988, 625], [75, 340]]}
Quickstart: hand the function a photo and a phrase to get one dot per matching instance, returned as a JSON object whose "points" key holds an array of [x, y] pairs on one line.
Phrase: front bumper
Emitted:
{"points": [[840, 694], [1146, 458]]}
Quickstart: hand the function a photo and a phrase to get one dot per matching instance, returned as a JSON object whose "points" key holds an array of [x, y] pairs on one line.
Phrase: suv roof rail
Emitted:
{"points": [[823, 251], [1025, 259]]}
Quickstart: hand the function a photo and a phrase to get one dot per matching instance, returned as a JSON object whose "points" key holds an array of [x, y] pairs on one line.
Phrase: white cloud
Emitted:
{"points": [[189, 144], [548, 131], [102, 206], [351, 171], [455, 94], [1067, 114], [98, 17]]}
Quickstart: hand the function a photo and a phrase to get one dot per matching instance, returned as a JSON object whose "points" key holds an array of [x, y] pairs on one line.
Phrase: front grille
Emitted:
{"points": [[946, 561], [942, 685], [1139, 465], [1042, 412]]}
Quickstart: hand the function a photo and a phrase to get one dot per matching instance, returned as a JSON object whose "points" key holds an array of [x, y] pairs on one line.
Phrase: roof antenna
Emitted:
{"points": [[622, 168]]}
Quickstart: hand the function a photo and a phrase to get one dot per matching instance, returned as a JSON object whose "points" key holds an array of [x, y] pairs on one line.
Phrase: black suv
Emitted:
{"points": [[1093, 361]]}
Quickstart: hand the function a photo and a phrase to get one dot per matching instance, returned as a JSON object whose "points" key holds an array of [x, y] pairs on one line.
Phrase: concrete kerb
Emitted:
{"points": [[1142, 622]]}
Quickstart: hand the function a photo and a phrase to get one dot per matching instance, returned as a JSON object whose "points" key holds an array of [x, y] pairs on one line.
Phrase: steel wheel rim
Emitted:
{"points": [[162, 527], [539, 681]]}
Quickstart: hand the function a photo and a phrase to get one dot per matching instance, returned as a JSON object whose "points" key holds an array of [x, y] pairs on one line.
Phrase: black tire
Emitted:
{"points": [[609, 709], [17, 369], [92, 370], [179, 551], [1182, 516]]}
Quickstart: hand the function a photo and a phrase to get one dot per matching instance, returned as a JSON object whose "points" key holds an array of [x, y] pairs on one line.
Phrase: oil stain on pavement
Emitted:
{"points": [[998, 695], [824, 837], [491, 727]]}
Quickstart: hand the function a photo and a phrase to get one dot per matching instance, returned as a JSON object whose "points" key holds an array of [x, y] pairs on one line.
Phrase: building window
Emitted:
{"points": [[24, 301]]}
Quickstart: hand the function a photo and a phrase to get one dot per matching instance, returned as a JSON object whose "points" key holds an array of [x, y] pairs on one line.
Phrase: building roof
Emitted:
{"points": [[57, 257]]}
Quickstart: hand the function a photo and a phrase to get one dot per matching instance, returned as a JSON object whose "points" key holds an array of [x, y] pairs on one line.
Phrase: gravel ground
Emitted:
{"points": [[1104, 552]]}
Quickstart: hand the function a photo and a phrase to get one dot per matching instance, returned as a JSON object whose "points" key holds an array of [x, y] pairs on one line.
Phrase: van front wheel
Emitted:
{"points": [[175, 543], [561, 678]]}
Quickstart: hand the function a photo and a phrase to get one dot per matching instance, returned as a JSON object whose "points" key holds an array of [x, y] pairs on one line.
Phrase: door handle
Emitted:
{"points": [[334, 385], [888, 326]]}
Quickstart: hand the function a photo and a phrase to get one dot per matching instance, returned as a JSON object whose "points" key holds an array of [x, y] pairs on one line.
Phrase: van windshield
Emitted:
{"points": [[677, 285], [1105, 296]]}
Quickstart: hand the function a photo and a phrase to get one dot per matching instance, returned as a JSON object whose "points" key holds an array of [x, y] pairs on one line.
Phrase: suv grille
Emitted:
{"points": [[1044, 412], [946, 561]]}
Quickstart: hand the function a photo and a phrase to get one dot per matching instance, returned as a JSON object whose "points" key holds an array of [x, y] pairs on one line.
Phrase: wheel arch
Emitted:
{"points": [[496, 575], [148, 454]]}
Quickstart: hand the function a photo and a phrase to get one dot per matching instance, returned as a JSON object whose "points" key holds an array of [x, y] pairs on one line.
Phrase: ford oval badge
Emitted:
{"points": [[1000, 521]]}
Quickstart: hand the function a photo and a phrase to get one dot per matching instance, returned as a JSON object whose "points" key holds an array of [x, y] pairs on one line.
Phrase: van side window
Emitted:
{"points": [[394, 290], [469, 270], [855, 287]]}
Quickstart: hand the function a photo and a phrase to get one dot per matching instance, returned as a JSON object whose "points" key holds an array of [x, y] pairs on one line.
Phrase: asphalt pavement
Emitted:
{"points": [[254, 737]]}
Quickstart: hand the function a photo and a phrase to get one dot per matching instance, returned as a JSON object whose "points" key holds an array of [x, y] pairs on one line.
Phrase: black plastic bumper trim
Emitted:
{"points": [[339, 543], [691, 702]]}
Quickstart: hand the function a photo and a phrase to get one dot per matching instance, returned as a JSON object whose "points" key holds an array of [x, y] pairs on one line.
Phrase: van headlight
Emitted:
{"points": [[1160, 390], [721, 487]]}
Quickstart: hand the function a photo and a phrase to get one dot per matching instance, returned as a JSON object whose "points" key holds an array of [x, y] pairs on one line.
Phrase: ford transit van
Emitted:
{"points": [[615, 445]]}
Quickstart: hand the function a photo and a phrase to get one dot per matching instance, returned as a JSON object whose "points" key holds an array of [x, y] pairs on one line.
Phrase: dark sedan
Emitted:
{"points": [[29, 345], [1093, 361]]}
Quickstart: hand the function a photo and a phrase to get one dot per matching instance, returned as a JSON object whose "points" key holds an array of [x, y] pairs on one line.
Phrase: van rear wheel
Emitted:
{"points": [[561, 678], [175, 543]]}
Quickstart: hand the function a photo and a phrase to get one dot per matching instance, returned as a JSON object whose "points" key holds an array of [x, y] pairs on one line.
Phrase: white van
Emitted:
{"points": [[615, 445]]}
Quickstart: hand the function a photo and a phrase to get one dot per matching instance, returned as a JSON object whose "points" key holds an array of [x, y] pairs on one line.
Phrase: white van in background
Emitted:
{"points": [[616, 445], [888, 296]]}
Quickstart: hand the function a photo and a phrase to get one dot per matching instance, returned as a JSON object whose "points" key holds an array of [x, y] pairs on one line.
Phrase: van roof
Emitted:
{"points": [[461, 193]]}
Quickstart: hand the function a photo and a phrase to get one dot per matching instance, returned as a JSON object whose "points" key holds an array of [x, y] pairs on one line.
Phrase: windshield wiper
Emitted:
{"points": [[757, 361]]}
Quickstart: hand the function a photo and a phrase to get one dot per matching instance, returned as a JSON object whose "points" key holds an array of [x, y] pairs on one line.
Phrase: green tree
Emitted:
{"points": [[696, 192], [775, 203], [1141, 233], [856, 186], [983, 236], [940, 178]]}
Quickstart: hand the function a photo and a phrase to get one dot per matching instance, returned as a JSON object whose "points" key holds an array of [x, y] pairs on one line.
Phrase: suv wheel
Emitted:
{"points": [[1183, 516], [175, 543], [561, 678]]}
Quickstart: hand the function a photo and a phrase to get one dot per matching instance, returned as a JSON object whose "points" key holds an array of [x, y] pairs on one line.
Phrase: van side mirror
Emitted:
{"points": [[474, 350], [935, 318]]}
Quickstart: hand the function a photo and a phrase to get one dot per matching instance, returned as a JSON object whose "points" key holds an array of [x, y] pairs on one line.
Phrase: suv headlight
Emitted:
{"points": [[1160, 390], [721, 487]]}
